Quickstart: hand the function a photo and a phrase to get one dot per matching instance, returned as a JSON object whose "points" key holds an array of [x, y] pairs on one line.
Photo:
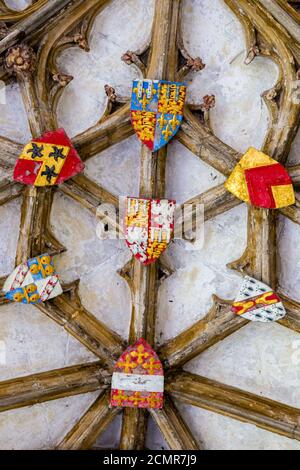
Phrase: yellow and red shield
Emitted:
{"points": [[261, 181], [49, 160]]}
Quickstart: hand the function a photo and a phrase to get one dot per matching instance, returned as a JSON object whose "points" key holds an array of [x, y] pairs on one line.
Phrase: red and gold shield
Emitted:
{"points": [[49, 160], [138, 378], [149, 224], [261, 181]]}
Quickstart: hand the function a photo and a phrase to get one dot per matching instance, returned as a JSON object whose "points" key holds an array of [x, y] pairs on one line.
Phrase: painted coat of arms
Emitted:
{"points": [[257, 302], [261, 181], [149, 224], [138, 378], [33, 282], [157, 111], [49, 160]]}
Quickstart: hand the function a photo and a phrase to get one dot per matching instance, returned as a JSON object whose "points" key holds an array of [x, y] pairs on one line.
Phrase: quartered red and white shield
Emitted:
{"points": [[49, 160], [138, 378], [149, 224], [258, 302]]}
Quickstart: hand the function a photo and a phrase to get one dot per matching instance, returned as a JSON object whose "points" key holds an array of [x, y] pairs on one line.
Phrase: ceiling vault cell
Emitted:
{"points": [[272, 30]]}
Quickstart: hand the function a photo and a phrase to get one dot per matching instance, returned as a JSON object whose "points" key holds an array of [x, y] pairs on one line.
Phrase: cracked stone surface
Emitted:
{"points": [[259, 357]]}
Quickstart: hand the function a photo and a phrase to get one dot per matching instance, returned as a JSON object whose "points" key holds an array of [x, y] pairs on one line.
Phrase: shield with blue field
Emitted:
{"points": [[157, 111]]}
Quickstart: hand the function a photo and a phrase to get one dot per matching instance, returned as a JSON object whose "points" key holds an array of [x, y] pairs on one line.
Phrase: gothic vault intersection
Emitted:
{"points": [[68, 24]]}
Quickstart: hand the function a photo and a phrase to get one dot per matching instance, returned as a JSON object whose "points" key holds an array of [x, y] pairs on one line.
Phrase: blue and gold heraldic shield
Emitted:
{"points": [[157, 111]]}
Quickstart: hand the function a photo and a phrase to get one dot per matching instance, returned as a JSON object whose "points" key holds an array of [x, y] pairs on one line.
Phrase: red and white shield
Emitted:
{"points": [[149, 224]]}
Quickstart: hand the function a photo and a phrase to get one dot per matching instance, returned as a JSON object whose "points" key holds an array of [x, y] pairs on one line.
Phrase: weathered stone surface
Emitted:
{"points": [[254, 358]]}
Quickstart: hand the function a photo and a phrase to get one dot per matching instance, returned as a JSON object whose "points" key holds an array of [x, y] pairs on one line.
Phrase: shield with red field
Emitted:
{"points": [[261, 181], [48, 160], [149, 224], [157, 111], [138, 378]]}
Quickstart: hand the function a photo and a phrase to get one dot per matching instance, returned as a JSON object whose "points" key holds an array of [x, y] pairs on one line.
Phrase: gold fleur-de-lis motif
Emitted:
{"points": [[144, 101], [167, 132], [162, 121], [174, 122]]}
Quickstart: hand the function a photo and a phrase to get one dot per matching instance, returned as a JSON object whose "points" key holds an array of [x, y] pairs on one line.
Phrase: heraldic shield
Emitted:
{"points": [[156, 111], [257, 302], [138, 378], [33, 282], [49, 160], [261, 181], [149, 224]]}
